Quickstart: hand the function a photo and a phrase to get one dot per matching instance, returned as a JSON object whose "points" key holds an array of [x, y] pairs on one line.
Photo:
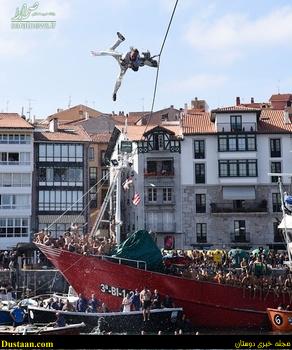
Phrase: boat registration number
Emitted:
{"points": [[115, 291]]}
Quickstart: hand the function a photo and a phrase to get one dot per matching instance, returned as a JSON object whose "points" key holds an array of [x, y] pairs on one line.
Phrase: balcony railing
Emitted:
{"points": [[13, 162], [247, 207], [245, 127], [236, 237], [160, 227], [159, 173]]}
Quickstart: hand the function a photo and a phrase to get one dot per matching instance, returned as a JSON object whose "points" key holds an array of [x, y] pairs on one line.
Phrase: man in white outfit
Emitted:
{"points": [[131, 60]]}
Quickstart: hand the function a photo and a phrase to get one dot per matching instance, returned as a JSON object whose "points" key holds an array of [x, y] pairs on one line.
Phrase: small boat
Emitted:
{"points": [[29, 329], [132, 322], [281, 320]]}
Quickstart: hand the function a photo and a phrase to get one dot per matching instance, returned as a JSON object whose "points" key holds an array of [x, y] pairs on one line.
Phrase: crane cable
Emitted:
{"points": [[158, 63]]}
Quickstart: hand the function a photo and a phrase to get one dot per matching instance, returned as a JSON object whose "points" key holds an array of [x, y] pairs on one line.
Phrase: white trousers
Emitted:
{"points": [[118, 56]]}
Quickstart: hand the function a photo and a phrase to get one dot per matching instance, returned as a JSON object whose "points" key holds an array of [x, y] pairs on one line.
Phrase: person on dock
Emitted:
{"points": [[145, 298]]}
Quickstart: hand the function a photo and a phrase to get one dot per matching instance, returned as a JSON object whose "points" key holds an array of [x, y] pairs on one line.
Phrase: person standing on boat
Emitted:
{"points": [[156, 300], [126, 303], [145, 298], [93, 304], [82, 303], [136, 300], [60, 321]]}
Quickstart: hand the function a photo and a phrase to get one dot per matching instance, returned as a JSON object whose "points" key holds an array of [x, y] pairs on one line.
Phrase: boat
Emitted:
{"points": [[29, 329], [280, 320], [131, 322], [206, 304]]}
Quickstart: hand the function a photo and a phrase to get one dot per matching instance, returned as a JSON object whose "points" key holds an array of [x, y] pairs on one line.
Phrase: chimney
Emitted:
{"points": [[33, 119], [171, 106], [86, 115], [251, 100], [59, 110], [53, 125], [237, 101]]}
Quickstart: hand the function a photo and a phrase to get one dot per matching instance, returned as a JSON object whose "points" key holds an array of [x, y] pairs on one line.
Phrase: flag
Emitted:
{"points": [[127, 183], [136, 199]]}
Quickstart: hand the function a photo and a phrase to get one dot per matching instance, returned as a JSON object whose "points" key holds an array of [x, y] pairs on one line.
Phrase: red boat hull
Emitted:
{"points": [[206, 304]]}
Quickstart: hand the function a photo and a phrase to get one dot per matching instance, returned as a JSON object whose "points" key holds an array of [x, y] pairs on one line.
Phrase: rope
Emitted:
{"points": [[158, 64], [85, 194]]}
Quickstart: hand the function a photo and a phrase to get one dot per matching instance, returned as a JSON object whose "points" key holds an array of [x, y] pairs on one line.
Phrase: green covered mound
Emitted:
{"points": [[140, 246]]}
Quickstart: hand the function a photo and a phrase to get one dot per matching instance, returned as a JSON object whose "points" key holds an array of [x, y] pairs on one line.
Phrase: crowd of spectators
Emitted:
{"points": [[258, 274], [75, 241]]}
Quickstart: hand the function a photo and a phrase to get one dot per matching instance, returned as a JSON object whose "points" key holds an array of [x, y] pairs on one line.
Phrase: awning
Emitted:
{"points": [[288, 219], [66, 219], [239, 192]]}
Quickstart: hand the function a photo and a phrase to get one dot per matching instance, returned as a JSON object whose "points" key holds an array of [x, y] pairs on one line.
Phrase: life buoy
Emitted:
{"points": [[17, 314]]}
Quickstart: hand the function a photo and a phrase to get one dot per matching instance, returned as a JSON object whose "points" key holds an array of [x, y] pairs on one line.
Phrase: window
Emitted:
{"points": [[60, 200], [201, 232], [199, 149], [276, 202], [199, 173], [60, 152], [57, 229], [60, 176], [239, 228], [164, 117], [92, 176], [275, 148], [233, 143], [152, 195], [105, 176], [238, 168], [14, 180], [167, 194], [14, 227], [15, 139], [238, 204], [236, 122], [275, 168], [102, 158], [91, 153], [166, 167], [151, 167], [278, 236], [200, 203]]}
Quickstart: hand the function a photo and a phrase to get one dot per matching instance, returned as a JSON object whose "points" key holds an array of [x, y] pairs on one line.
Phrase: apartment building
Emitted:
{"points": [[155, 172], [228, 197], [16, 157], [61, 163]]}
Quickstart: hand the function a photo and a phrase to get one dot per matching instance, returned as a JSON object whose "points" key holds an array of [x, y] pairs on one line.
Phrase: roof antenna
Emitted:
{"points": [[278, 87], [29, 107], [7, 106], [69, 102]]}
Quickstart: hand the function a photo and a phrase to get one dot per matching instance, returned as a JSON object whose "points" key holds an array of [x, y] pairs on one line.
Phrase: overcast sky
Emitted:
{"points": [[216, 50]]}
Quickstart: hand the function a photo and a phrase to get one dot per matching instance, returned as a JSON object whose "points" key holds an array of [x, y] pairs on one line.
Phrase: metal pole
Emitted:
{"points": [[118, 208]]}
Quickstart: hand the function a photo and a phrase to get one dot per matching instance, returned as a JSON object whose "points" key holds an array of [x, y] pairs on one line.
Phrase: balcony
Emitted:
{"points": [[162, 228], [163, 173], [245, 127], [242, 237], [246, 207]]}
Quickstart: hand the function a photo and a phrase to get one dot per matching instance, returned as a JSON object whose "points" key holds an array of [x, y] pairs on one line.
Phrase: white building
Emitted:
{"points": [[228, 198], [155, 172], [16, 159]]}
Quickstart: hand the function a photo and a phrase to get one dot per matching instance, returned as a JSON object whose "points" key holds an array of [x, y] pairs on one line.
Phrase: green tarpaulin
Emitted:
{"points": [[140, 246]]}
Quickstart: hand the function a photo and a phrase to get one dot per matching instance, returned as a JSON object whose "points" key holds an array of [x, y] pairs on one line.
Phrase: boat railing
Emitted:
{"points": [[139, 264]]}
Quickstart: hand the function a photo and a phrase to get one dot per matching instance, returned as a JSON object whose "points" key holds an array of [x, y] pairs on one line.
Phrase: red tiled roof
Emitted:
{"points": [[13, 121], [281, 97], [75, 113], [132, 119], [136, 132], [239, 108], [272, 121], [197, 123], [63, 134], [100, 138]]}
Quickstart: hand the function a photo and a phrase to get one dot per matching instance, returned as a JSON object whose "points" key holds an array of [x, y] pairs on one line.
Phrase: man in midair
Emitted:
{"points": [[131, 59]]}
